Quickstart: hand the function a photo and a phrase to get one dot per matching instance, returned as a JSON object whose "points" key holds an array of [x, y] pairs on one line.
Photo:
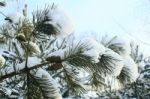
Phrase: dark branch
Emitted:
{"points": [[2, 77]]}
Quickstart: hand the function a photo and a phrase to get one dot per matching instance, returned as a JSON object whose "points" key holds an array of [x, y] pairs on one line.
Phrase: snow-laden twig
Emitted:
{"points": [[94, 49]]}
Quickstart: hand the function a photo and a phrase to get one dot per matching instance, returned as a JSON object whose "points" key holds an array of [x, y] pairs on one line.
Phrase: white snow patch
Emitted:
{"points": [[6, 90], [117, 62], [62, 21], [16, 17], [113, 82], [97, 49], [32, 61], [94, 54], [60, 52], [7, 53], [41, 73], [90, 94], [122, 42], [125, 45], [133, 68]]}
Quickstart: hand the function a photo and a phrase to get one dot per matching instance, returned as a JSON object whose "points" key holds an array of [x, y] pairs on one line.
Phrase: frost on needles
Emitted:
{"points": [[36, 54]]}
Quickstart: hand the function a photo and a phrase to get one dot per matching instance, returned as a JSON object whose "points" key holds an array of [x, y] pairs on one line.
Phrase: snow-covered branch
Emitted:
{"points": [[33, 63]]}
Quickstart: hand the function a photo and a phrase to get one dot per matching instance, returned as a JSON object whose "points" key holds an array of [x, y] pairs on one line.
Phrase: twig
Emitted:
{"points": [[4, 76], [26, 65]]}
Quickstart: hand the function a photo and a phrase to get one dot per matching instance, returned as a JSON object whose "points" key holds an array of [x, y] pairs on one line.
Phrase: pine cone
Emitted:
{"points": [[55, 66], [54, 59]]}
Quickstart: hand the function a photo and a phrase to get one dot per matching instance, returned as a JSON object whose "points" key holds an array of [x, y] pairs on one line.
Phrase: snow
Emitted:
{"points": [[97, 49], [123, 42], [117, 62], [61, 18], [7, 54], [32, 61], [43, 74], [113, 82], [126, 46], [33, 47], [2, 61], [6, 90], [60, 52], [3, 46], [94, 54], [16, 17], [94, 49], [90, 94], [19, 48], [92, 43], [133, 68]]}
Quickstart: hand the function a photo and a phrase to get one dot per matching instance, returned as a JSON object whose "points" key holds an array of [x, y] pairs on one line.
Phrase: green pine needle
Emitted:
{"points": [[97, 81], [74, 56], [73, 82], [41, 20]]}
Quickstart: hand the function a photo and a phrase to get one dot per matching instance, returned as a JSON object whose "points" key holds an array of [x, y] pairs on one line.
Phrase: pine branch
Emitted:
{"points": [[43, 22], [73, 83], [107, 43], [25, 28], [97, 81], [116, 47], [136, 55], [105, 64], [74, 56], [23, 70], [47, 84], [125, 76]]}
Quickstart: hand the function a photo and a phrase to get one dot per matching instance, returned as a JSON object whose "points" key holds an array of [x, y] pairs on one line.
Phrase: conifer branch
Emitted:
{"points": [[8, 75]]}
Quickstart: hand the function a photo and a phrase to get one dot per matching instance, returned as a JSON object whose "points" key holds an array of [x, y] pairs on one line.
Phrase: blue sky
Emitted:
{"points": [[128, 18]]}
